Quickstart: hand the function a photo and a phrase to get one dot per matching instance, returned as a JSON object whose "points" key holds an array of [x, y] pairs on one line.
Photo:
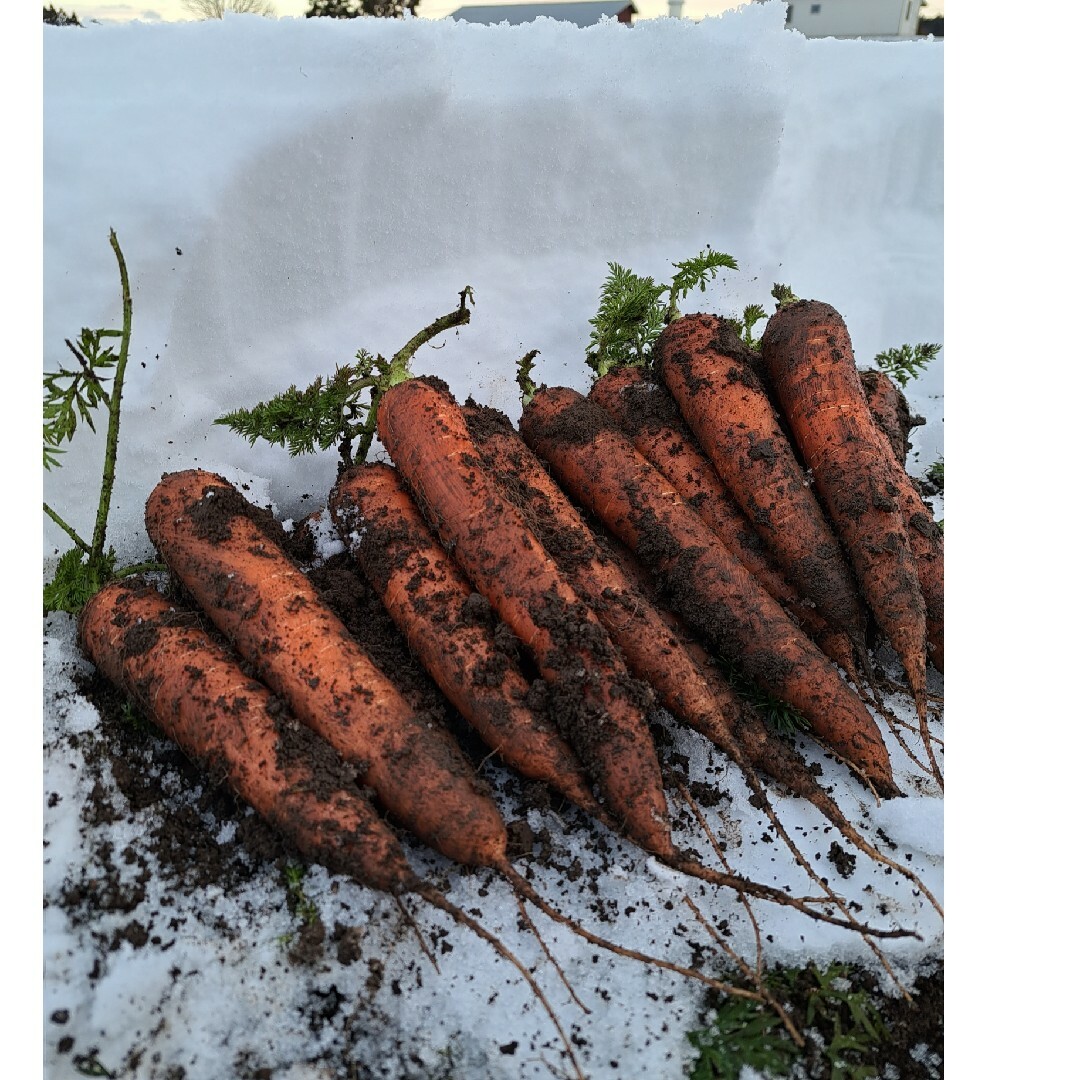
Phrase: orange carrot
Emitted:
{"points": [[598, 466], [599, 707], [226, 555], [449, 627], [656, 646], [928, 548], [807, 354], [649, 417], [652, 650], [239, 575], [423, 428], [894, 419], [760, 746], [890, 411], [197, 693], [199, 696], [710, 372]]}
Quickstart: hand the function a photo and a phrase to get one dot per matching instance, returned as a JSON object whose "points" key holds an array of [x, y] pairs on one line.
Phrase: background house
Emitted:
{"points": [[585, 13], [854, 18]]}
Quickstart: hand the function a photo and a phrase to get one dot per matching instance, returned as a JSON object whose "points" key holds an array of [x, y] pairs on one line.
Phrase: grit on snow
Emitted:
{"points": [[288, 192]]}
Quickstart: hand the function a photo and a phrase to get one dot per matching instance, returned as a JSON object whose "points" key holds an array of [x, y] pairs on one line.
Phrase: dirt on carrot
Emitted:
{"points": [[711, 373], [807, 354], [649, 417], [601, 469], [263, 602], [197, 692], [450, 627], [600, 708]]}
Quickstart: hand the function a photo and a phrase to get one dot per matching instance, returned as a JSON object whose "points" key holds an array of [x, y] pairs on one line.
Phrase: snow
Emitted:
{"points": [[288, 192]]}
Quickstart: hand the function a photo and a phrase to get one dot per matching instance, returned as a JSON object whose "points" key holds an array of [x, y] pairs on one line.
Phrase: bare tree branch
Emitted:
{"points": [[216, 9]]}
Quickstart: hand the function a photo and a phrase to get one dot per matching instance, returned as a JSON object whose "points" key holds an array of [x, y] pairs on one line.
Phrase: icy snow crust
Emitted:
{"points": [[287, 192]]}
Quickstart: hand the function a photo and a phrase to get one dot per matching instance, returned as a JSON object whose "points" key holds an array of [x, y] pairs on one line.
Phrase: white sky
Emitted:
{"points": [[174, 11]]}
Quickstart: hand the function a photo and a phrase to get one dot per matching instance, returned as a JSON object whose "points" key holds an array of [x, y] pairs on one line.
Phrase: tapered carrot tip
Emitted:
{"points": [[886, 787]]}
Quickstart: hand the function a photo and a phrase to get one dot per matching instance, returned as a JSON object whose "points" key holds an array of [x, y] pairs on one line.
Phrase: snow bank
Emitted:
{"points": [[288, 192]]}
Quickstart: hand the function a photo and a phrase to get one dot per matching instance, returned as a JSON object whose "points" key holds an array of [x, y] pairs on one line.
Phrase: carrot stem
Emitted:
{"points": [[80, 543], [112, 437]]}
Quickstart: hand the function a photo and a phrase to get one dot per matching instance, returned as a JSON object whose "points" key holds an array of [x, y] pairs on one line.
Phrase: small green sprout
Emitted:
{"points": [[634, 309], [299, 902]]}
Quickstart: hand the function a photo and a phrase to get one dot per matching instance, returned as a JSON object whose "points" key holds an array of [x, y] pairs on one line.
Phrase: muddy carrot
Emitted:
{"points": [[894, 419], [649, 417], [598, 466], [240, 576], [807, 354], [652, 650], [450, 627], [928, 548], [197, 693], [711, 374], [226, 555], [656, 645], [599, 707]]}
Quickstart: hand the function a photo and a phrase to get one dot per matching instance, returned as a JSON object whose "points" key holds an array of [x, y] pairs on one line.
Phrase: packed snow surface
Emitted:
{"points": [[288, 192]]}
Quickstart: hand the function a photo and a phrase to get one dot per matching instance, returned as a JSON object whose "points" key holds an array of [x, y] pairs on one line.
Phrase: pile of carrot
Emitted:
{"points": [[722, 512]]}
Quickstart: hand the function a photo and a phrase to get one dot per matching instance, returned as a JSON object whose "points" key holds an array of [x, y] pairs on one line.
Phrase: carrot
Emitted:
{"points": [[653, 652], [807, 354], [654, 643], [928, 548], [449, 627], [259, 598], [649, 417], [894, 419], [710, 372], [225, 554], [199, 696], [423, 429], [197, 693], [647, 414], [601, 709], [598, 466], [762, 747], [890, 411]]}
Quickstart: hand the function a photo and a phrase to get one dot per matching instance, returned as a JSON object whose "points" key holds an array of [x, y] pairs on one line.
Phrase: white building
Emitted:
{"points": [[854, 18]]}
